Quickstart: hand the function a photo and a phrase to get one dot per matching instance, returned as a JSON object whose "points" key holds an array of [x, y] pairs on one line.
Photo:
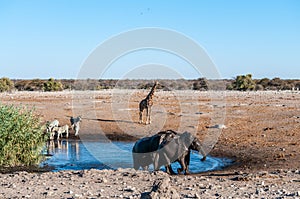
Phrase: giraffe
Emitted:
{"points": [[147, 104]]}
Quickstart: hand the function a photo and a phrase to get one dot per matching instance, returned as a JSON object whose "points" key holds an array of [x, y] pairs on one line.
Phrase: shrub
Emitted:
{"points": [[297, 86], [6, 84], [200, 84], [259, 87], [276, 82], [243, 83], [52, 85], [264, 82], [30, 85], [21, 137]]}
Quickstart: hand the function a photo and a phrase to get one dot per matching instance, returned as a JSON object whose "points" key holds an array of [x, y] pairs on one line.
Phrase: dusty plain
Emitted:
{"points": [[259, 131]]}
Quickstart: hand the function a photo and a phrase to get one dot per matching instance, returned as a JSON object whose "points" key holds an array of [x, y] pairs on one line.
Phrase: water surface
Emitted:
{"points": [[79, 155]]}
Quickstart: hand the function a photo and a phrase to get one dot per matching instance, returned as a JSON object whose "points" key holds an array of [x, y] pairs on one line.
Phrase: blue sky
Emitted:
{"points": [[53, 38]]}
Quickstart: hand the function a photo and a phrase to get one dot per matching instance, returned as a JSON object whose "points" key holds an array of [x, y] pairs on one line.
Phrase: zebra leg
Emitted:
{"points": [[67, 133], [76, 129]]}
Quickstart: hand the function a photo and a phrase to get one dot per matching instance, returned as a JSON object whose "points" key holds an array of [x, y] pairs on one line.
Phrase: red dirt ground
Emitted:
{"points": [[262, 128]]}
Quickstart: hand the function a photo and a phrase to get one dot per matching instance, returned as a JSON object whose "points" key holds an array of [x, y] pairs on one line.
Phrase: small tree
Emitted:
{"points": [[21, 137], [6, 84], [52, 85], [200, 84], [264, 82], [243, 83], [297, 86]]}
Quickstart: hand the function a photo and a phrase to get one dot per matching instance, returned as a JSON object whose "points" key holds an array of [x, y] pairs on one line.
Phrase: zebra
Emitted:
{"points": [[75, 124], [60, 130], [51, 125]]}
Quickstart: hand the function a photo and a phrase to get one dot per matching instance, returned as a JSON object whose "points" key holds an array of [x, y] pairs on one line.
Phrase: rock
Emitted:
{"points": [[69, 192], [78, 195], [161, 188], [218, 126], [130, 189], [104, 180]]}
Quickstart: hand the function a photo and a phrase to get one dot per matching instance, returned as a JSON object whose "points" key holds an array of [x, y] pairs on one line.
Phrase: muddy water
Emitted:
{"points": [[78, 155]]}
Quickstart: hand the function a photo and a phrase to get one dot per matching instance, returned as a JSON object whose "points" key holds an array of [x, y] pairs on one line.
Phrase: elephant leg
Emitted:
{"points": [[203, 154], [135, 162], [169, 170], [187, 162], [182, 164], [156, 162]]}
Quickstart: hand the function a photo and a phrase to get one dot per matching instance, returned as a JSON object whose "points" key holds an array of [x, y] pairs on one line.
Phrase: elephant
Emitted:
{"points": [[177, 149], [143, 151]]}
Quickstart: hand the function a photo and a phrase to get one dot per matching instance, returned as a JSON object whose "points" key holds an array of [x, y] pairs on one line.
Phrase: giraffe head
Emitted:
{"points": [[155, 85]]}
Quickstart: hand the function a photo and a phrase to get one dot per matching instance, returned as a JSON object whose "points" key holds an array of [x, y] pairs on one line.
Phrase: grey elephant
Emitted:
{"points": [[178, 150], [144, 150]]}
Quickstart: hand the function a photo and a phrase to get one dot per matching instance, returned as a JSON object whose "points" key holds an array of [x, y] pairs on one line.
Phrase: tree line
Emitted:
{"points": [[240, 83]]}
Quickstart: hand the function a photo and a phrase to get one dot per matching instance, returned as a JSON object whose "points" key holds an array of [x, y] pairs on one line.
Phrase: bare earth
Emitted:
{"points": [[261, 134]]}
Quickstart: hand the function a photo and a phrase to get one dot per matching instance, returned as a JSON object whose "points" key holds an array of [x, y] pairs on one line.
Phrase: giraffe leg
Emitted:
{"points": [[147, 116], [141, 117]]}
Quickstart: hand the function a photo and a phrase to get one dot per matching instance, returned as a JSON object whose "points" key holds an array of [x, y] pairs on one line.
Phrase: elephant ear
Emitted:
{"points": [[186, 139]]}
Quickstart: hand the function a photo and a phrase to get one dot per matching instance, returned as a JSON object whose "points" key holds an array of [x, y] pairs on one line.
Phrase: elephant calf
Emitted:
{"points": [[177, 149]]}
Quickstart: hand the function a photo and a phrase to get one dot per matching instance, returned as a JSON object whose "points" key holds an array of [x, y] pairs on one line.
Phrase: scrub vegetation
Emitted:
{"points": [[240, 83], [21, 136]]}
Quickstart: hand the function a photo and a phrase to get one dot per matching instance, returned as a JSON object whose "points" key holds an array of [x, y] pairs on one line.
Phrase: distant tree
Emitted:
{"points": [[276, 84], [6, 84], [144, 86], [200, 84], [297, 86], [264, 82], [243, 83], [259, 87], [53, 85]]}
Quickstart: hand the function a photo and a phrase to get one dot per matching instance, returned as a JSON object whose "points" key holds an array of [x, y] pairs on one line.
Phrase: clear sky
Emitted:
{"points": [[53, 38]]}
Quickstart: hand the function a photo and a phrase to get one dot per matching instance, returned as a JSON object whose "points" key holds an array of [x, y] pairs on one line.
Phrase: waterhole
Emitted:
{"points": [[78, 155]]}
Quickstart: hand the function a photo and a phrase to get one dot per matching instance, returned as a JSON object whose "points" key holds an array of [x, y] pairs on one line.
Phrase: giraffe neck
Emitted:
{"points": [[151, 93]]}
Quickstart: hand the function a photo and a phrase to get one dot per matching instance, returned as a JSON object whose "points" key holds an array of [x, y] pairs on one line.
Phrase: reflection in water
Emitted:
{"points": [[70, 155], [75, 155], [54, 145]]}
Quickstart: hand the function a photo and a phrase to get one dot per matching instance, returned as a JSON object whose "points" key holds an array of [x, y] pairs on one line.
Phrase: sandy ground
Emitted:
{"points": [[261, 133]]}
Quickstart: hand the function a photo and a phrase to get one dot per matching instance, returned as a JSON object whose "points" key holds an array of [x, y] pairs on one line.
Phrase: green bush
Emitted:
{"points": [[243, 83], [52, 85], [21, 137], [6, 84]]}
